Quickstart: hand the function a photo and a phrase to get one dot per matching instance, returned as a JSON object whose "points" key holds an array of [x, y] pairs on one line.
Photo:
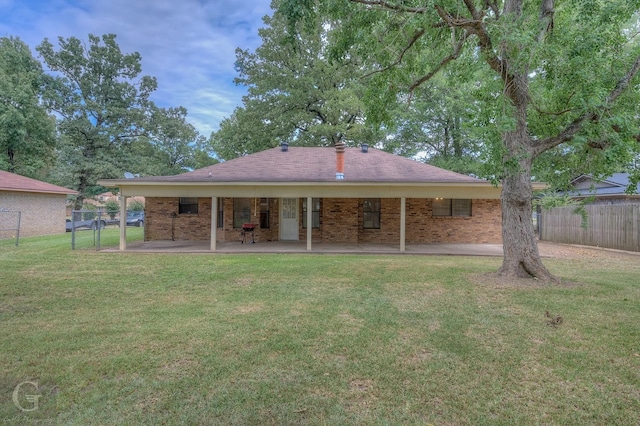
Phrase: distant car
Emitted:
{"points": [[135, 218], [85, 224]]}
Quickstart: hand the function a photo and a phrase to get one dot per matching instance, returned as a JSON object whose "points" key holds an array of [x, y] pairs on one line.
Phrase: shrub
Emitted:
{"points": [[112, 207]]}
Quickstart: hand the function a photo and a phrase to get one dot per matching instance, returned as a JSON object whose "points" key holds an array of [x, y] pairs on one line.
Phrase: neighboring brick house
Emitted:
{"points": [[42, 206], [348, 195]]}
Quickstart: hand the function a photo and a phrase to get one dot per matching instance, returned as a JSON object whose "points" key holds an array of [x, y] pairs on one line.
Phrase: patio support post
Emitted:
{"points": [[214, 222], [403, 222], [123, 221], [309, 222]]}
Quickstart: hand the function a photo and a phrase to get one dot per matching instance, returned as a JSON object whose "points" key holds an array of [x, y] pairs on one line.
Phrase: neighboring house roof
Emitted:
{"points": [[302, 164], [614, 185], [17, 183]]}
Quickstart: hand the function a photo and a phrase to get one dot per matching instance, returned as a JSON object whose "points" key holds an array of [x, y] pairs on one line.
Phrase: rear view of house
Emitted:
{"points": [[337, 195]]}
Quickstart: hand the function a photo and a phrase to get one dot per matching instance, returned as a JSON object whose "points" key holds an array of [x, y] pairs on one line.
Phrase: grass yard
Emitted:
{"points": [[114, 338]]}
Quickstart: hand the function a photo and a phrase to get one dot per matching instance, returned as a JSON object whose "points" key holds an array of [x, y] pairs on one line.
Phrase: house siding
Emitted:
{"points": [[41, 214], [341, 221]]}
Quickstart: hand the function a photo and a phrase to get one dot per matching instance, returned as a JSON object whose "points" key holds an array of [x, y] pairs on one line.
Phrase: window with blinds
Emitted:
{"points": [[264, 213], [371, 216], [315, 213], [241, 211], [188, 205], [451, 207]]}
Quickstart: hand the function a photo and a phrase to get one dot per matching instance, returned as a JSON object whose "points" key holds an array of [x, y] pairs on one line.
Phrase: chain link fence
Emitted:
{"points": [[9, 227], [94, 229]]}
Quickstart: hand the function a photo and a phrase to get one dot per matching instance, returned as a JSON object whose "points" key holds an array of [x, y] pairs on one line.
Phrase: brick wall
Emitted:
{"points": [[389, 231], [483, 226], [41, 214], [162, 221], [341, 221]]}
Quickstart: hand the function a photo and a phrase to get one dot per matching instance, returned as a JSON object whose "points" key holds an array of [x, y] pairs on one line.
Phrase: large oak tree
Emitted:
{"points": [[296, 93], [103, 107], [555, 76]]}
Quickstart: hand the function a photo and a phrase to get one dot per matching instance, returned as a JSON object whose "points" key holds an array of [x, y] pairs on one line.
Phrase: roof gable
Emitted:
{"points": [[318, 164], [17, 183], [616, 184]]}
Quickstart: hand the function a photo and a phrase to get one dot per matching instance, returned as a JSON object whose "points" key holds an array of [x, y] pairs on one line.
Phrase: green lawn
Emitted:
{"points": [[114, 338]]}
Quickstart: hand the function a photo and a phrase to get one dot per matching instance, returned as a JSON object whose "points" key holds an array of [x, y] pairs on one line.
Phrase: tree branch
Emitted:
{"points": [[484, 41], [472, 9], [382, 4], [577, 124], [546, 18], [493, 6], [454, 55], [413, 40]]}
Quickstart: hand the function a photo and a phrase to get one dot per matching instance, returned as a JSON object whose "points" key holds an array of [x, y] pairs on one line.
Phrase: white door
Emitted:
{"points": [[289, 219]]}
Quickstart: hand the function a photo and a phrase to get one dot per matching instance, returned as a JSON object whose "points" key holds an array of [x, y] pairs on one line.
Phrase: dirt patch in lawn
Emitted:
{"points": [[492, 279], [556, 251], [566, 251]]}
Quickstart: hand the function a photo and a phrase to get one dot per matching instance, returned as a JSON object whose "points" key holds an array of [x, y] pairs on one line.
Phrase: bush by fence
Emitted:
{"points": [[614, 226]]}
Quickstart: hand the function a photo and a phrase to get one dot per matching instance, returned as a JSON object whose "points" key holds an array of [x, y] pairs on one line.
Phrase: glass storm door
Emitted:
{"points": [[289, 219]]}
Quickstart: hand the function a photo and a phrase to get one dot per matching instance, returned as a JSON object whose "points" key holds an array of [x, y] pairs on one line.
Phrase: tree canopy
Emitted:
{"points": [[103, 105], [27, 131], [552, 78], [296, 93], [170, 145]]}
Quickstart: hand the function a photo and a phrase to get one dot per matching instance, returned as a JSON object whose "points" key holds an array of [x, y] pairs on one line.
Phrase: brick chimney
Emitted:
{"points": [[340, 161]]}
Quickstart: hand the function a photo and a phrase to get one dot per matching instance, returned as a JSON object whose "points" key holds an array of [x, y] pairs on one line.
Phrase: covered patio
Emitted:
{"points": [[318, 248]]}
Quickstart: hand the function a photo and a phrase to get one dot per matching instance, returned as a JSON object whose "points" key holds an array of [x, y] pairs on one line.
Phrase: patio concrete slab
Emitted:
{"points": [[316, 248]]}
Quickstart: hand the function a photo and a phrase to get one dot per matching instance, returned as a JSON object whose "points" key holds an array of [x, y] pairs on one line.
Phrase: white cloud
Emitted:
{"points": [[188, 45]]}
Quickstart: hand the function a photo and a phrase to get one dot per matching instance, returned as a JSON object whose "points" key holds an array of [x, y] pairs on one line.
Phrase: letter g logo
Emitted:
{"points": [[31, 398]]}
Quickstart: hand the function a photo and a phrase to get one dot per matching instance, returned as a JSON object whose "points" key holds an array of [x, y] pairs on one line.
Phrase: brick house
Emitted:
{"points": [[347, 195], [42, 206]]}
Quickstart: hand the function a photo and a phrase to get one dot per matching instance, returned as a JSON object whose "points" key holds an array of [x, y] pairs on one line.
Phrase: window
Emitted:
{"points": [[264, 213], [315, 213], [451, 207], [220, 212], [371, 207], [241, 211], [188, 205]]}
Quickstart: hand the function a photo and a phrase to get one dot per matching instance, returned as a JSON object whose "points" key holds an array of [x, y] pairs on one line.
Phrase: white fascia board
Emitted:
{"points": [[474, 190]]}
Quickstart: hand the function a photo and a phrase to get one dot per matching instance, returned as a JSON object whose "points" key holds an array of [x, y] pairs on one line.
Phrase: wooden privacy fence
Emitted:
{"points": [[614, 226]]}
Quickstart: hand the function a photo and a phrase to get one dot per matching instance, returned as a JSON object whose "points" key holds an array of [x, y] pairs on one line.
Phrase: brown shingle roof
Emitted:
{"points": [[302, 164], [14, 182]]}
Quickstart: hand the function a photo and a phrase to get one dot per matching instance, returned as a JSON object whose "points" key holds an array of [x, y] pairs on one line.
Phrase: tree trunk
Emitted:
{"points": [[457, 139], [82, 186], [521, 256], [12, 162]]}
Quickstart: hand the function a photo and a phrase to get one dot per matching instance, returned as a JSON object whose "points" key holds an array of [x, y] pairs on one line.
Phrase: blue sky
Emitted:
{"points": [[188, 45]]}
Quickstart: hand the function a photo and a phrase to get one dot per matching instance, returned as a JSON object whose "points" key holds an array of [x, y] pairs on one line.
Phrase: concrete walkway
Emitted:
{"points": [[317, 248]]}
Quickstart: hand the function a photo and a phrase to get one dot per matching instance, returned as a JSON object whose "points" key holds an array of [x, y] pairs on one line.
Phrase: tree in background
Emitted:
{"points": [[552, 79], [171, 145], [103, 105], [27, 131], [296, 93], [437, 124]]}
